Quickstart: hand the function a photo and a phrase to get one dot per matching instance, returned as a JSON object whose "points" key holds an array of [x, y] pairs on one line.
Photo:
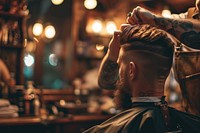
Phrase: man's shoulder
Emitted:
{"points": [[126, 121]]}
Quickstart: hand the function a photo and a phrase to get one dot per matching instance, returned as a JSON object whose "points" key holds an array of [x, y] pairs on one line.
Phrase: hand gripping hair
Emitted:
{"points": [[155, 40]]}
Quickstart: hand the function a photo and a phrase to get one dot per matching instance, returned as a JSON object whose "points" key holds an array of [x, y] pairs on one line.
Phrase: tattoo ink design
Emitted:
{"points": [[109, 74], [163, 23], [182, 24], [186, 25], [175, 24], [172, 25], [192, 39]]}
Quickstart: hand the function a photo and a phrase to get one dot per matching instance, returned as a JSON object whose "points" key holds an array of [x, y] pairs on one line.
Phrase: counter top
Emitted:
{"points": [[51, 119]]}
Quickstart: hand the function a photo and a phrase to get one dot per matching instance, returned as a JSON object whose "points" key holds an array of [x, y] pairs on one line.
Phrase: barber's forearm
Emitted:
{"points": [[180, 28], [108, 73], [185, 30]]}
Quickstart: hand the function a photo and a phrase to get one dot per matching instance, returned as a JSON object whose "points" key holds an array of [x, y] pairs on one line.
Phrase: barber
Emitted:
{"points": [[186, 30]]}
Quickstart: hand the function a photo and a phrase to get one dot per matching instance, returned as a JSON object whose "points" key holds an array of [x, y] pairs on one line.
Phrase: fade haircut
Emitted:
{"points": [[155, 40]]}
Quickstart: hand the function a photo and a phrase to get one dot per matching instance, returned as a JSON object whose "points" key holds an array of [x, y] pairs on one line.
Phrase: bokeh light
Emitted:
{"points": [[97, 26], [166, 13], [53, 60], [37, 29], [99, 47], [110, 27], [29, 60], [57, 2], [90, 4], [49, 31]]}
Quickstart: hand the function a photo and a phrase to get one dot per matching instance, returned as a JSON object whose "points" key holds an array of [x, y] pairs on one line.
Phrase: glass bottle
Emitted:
{"points": [[16, 34], [32, 103], [20, 99]]}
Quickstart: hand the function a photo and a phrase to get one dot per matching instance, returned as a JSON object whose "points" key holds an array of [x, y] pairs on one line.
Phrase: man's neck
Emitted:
{"points": [[148, 94], [145, 90]]}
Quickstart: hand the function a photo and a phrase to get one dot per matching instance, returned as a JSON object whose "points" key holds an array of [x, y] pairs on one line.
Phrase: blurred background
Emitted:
{"points": [[80, 32], [50, 52], [53, 49]]}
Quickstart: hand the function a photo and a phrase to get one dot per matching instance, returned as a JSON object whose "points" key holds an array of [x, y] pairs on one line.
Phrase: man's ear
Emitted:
{"points": [[132, 70]]}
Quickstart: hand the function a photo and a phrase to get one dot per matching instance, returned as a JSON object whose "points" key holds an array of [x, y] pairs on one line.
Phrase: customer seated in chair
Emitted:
{"points": [[142, 56]]}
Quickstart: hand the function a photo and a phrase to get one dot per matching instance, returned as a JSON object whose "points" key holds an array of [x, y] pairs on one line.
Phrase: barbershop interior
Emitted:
{"points": [[50, 54]]}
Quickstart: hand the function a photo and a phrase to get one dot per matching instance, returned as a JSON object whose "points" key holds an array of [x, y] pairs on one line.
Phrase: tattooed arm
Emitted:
{"points": [[186, 30], [108, 72]]}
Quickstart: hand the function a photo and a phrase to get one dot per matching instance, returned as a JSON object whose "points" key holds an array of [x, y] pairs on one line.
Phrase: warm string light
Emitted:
{"points": [[166, 12], [101, 27], [90, 4], [110, 27], [49, 30], [37, 29], [97, 26], [57, 2], [100, 47]]}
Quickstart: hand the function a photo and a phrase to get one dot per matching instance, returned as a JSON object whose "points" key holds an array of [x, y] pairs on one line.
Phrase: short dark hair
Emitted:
{"points": [[155, 40]]}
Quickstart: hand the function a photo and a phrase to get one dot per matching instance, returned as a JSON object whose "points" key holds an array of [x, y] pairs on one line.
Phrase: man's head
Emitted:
{"points": [[145, 61]]}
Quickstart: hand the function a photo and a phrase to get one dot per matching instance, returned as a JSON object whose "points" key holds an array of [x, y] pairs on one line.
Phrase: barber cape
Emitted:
{"points": [[147, 117]]}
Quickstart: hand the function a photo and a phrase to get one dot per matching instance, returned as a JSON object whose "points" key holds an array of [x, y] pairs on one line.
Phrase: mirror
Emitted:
{"points": [[73, 51], [52, 56], [75, 47]]}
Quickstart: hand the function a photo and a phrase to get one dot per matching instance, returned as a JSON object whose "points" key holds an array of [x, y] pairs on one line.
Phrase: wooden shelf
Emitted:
{"points": [[79, 57], [13, 54], [11, 47], [52, 119], [11, 15], [70, 123]]}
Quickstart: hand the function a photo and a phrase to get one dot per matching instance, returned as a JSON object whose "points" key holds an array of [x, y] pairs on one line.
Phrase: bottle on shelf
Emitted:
{"points": [[16, 33], [10, 32], [36, 106], [4, 37], [32, 102], [12, 83], [20, 91]]}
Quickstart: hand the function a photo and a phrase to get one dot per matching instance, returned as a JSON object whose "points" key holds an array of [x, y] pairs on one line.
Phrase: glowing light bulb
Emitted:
{"points": [[37, 29], [90, 4], [57, 2], [99, 47], [29, 60], [173, 96], [110, 27], [53, 60], [166, 13], [49, 31], [97, 26]]}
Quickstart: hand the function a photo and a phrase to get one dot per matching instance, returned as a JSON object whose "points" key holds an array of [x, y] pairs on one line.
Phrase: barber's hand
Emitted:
{"points": [[140, 15], [114, 46], [123, 26]]}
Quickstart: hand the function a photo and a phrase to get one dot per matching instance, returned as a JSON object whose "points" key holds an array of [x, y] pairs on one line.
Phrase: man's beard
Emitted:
{"points": [[122, 96]]}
